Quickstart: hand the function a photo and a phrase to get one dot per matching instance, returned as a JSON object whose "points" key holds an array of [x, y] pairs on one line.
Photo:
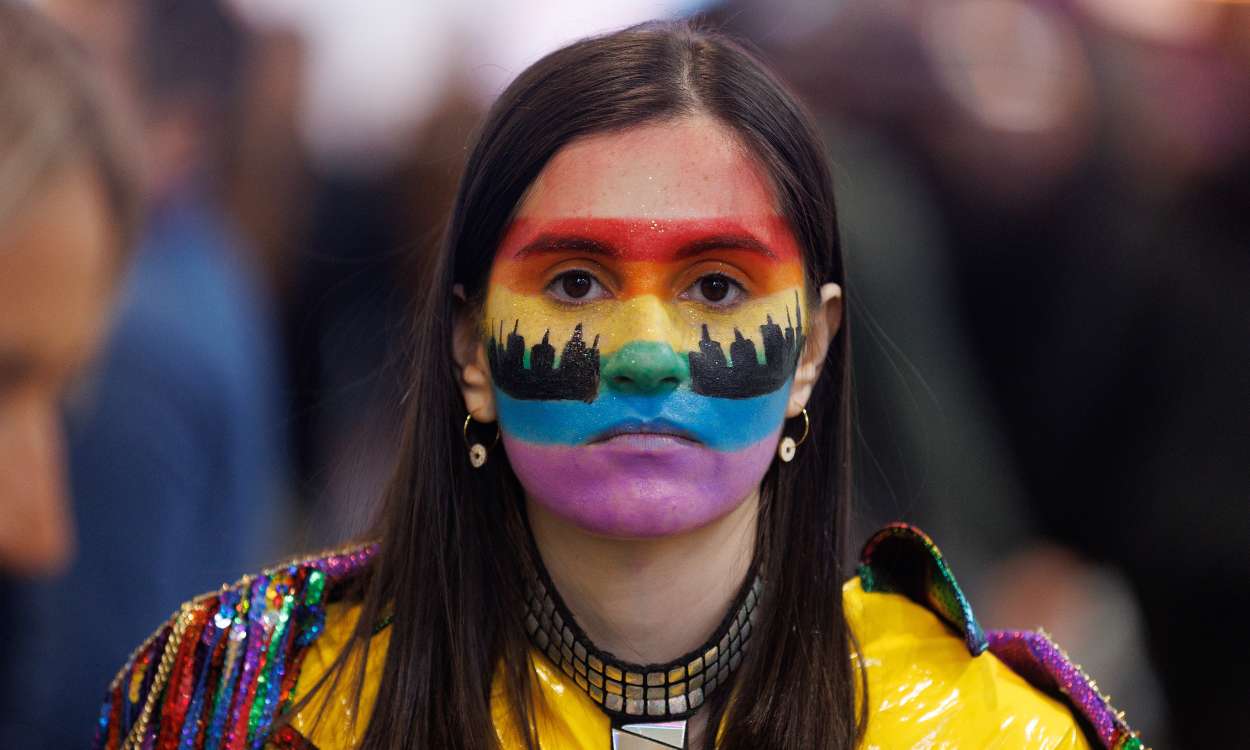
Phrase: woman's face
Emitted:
{"points": [[645, 314]]}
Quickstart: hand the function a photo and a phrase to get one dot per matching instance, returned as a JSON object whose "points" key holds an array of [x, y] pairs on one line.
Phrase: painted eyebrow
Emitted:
{"points": [[725, 242], [550, 243]]}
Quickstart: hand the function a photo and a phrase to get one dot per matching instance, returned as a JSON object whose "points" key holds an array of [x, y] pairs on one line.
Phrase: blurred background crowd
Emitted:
{"points": [[1045, 206]]}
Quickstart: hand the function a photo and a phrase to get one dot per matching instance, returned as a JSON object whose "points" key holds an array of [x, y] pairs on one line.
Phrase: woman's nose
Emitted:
{"points": [[645, 368]]}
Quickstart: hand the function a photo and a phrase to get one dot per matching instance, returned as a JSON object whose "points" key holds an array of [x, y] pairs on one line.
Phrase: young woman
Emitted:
{"points": [[619, 518]]}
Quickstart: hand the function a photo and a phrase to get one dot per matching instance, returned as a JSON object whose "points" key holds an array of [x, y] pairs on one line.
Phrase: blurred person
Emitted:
{"points": [[68, 212], [68, 205], [177, 456], [638, 544]]}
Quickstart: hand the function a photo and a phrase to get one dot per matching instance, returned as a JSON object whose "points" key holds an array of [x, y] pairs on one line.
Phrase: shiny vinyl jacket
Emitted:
{"points": [[228, 664]]}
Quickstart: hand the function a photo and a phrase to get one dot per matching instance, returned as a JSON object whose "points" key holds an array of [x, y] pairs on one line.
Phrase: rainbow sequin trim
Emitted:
{"points": [[902, 559], [218, 672]]}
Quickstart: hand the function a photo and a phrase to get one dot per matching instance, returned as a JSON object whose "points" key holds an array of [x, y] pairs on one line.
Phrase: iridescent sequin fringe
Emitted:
{"points": [[217, 673]]}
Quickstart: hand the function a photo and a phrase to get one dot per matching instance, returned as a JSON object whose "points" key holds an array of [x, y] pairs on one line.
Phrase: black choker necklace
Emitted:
{"points": [[662, 695]]}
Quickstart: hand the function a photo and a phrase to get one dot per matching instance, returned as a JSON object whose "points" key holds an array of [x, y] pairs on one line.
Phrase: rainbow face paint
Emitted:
{"points": [[642, 320], [643, 407]]}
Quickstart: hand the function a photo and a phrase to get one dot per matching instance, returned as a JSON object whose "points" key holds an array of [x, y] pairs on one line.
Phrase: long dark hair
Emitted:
{"points": [[454, 539]]}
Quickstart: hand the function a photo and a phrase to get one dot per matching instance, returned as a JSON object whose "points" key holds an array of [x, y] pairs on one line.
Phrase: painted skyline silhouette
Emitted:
{"points": [[739, 375], [575, 379], [742, 374]]}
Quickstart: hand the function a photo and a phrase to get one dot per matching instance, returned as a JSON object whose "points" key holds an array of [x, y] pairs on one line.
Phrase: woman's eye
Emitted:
{"points": [[576, 286], [715, 289]]}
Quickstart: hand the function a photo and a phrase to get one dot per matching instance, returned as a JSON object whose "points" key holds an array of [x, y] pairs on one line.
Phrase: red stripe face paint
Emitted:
{"points": [[650, 256]]}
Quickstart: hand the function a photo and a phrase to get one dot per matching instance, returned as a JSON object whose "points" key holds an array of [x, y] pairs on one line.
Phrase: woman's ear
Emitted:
{"points": [[470, 353], [824, 326]]}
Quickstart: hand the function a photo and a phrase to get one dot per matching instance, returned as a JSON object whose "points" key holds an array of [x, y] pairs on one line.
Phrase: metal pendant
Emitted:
{"points": [[669, 735]]}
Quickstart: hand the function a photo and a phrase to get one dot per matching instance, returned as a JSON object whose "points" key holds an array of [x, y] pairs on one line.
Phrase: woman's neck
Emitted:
{"points": [[648, 600]]}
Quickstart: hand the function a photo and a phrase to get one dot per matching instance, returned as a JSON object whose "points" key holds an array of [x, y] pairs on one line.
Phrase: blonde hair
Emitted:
{"points": [[52, 112]]}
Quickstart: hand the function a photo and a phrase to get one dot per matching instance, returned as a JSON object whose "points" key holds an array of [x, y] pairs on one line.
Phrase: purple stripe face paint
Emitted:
{"points": [[639, 486]]}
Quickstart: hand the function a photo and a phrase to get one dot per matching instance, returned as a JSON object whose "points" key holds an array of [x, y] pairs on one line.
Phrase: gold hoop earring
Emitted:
{"points": [[788, 446], [477, 451]]}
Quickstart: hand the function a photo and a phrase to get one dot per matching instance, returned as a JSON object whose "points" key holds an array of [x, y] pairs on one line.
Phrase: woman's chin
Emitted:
{"points": [[638, 486]]}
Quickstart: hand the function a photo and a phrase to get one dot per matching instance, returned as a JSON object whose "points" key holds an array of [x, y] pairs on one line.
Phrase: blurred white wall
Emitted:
{"points": [[376, 69]]}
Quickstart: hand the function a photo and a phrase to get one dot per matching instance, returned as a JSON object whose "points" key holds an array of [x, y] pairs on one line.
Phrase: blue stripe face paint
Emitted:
{"points": [[719, 423]]}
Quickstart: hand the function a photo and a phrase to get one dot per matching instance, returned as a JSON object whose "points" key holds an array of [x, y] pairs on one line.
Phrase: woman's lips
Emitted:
{"points": [[648, 435], [648, 442]]}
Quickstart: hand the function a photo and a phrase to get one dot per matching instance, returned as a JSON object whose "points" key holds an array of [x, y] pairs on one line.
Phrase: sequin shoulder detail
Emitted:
{"points": [[1035, 657], [902, 559], [219, 671]]}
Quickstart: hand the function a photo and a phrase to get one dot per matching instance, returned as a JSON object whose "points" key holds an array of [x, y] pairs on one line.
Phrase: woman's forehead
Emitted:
{"points": [[687, 168]]}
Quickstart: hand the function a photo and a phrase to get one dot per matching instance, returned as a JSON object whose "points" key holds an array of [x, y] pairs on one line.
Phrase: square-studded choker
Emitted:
{"points": [[648, 704]]}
